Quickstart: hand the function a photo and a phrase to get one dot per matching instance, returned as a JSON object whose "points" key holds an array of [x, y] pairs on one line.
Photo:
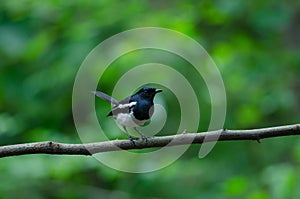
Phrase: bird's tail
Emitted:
{"points": [[106, 97]]}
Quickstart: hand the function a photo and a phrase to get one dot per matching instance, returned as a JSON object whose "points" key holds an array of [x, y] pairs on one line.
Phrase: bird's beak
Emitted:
{"points": [[158, 90]]}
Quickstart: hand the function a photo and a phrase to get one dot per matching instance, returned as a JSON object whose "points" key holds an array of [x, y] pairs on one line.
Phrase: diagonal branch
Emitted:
{"points": [[49, 147]]}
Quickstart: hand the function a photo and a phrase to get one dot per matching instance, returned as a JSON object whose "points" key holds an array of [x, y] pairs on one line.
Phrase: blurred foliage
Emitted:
{"points": [[255, 44]]}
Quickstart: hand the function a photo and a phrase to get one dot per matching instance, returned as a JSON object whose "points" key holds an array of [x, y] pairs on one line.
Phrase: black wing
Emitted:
{"points": [[124, 106]]}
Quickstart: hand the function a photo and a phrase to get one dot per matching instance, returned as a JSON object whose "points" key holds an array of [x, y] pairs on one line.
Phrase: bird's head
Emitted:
{"points": [[148, 92]]}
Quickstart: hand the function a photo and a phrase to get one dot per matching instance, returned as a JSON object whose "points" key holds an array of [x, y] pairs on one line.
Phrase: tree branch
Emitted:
{"points": [[49, 147]]}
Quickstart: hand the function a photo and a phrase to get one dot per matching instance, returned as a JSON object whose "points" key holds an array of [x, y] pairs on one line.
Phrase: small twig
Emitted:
{"points": [[49, 147]]}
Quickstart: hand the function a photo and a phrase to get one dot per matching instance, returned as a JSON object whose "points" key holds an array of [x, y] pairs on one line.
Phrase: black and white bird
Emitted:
{"points": [[134, 110]]}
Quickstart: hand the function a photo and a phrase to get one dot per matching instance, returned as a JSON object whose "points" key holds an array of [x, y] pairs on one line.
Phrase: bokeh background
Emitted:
{"points": [[255, 44]]}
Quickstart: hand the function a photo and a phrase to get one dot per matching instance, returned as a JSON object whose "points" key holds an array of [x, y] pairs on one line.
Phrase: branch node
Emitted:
{"points": [[297, 127], [258, 139], [184, 132]]}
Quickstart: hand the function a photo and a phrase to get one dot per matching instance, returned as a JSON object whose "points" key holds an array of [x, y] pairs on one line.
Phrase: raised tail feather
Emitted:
{"points": [[106, 97]]}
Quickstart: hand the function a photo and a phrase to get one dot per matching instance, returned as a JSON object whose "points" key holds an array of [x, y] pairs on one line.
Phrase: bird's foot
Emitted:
{"points": [[145, 138], [132, 140]]}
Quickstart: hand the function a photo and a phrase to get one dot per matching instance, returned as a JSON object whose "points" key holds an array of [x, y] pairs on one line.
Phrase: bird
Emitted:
{"points": [[134, 110]]}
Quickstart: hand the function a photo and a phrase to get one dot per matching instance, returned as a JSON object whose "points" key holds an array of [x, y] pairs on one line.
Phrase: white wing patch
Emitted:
{"points": [[126, 105]]}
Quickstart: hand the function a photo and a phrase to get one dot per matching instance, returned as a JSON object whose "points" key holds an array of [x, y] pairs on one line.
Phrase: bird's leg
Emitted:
{"points": [[141, 134], [129, 136]]}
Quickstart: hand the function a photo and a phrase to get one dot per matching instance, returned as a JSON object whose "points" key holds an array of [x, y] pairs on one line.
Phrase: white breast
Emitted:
{"points": [[125, 119]]}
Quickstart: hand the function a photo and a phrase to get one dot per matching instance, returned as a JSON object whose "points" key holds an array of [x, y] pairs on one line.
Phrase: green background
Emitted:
{"points": [[255, 44]]}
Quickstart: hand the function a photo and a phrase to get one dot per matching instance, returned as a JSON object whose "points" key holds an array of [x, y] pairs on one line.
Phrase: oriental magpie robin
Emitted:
{"points": [[134, 110]]}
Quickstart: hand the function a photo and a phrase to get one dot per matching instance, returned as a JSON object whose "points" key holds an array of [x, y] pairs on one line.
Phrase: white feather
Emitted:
{"points": [[125, 119], [126, 105]]}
